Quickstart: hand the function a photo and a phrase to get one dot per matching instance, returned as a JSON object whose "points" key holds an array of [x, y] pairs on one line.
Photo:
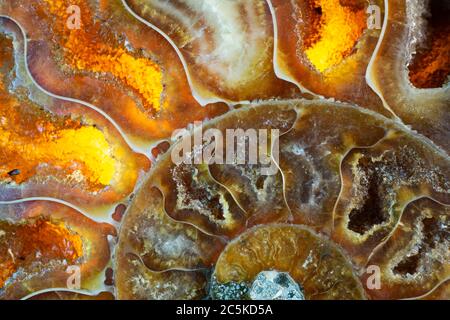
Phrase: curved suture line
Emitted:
{"points": [[131, 251], [394, 228], [283, 177], [429, 292], [202, 100], [139, 257], [372, 61], [99, 282], [280, 74], [341, 179], [233, 196], [133, 146], [222, 238], [100, 286], [65, 203], [290, 218], [79, 291], [391, 233], [163, 207], [108, 209], [369, 81]]}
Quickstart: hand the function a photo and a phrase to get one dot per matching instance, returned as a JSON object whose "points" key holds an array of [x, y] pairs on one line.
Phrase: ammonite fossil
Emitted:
{"points": [[345, 197], [224, 149]]}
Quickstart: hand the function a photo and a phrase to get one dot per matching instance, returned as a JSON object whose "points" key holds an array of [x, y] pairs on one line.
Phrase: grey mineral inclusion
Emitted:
{"points": [[274, 285], [228, 291]]}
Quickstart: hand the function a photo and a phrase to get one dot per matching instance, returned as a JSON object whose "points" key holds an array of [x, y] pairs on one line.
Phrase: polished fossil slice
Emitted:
{"points": [[351, 184], [320, 267], [410, 69], [112, 62], [325, 46], [181, 245], [415, 259], [135, 281], [55, 148], [378, 182], [40, 240], [311, 154], [347, 201], [227, 46]]}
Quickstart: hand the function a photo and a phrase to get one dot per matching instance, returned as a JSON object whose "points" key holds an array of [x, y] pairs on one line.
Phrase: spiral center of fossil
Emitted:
{"points": [[274, 285], [267, 285], [282, 262]]}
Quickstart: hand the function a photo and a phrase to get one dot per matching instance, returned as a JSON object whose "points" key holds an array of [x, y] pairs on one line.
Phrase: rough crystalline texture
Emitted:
{"points": [[55, 148], [411, 67], [324, 46], [430, 64], [274, 285], [341, 190], [378, 183], [321, 268], [113, 61], [39, 240], [227, 45], [364, 191], [416, 258]]}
